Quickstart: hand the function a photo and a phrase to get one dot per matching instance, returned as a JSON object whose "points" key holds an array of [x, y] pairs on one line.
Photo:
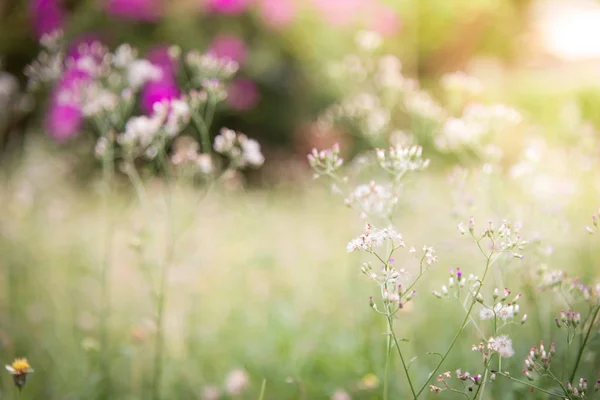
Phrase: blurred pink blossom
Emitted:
{"points": [[46, 16], [165, 88], [139, 10], [63, 120], [243, 95], [230, 7], [157, 91], [229, 46], [277, 13], [74, 51], [341, 12], [383, 19], [159, 56]]}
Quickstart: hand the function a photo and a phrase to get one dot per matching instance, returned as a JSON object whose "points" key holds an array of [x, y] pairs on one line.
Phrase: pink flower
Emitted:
{"points": [[229, 46], [74, 50], [341, 12], [277, 13], [243, 95], [164, 89], [159, 56], [63, 121], [229, 7], [157, 91], [383, 19], [140, 10], [46, 15]]}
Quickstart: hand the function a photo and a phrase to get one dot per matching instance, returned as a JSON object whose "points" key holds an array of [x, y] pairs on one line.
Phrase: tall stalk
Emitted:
{"points": [[162, 288], [108, 174]]}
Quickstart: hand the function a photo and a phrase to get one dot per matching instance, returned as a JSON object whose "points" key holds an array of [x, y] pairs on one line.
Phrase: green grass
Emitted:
{"points": [[261, 281]]}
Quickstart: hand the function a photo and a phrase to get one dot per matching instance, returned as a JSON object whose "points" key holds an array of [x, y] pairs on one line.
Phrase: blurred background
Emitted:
{"points": [[261, 287], [523, 50]]}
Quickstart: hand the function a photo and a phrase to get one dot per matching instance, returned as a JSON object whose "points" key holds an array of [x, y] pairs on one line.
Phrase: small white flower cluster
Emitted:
{"points": [[538, 360], [373, 200], [48, 66], [456, 281], [141, 71], [364, 109], [187, 153], [477, 121], [398, 159], [373, 238], [502, 345], [243, 152], [421, 104], [325, 161], [461, 82], [388, 75], [505, 239], [149, 134], [208, 66]]}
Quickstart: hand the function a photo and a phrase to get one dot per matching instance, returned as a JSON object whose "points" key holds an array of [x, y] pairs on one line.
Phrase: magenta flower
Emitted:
{"points": [[63, 121], [229, 46], [164, 89], [46, 16], [277, 13], [160, 57], [243, 95], [139, 10], [158, 91], [229, 7]]}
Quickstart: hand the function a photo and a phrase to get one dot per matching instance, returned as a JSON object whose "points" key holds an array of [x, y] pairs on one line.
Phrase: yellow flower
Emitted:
{"points": [[19, 370], [19, 367]]}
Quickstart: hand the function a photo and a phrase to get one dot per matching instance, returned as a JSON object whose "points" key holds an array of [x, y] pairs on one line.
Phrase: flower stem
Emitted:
{"points": [[161, 291], [462, 326], [404, 366], [539, 389], [585, 342], [108, 173], [387, 364]]}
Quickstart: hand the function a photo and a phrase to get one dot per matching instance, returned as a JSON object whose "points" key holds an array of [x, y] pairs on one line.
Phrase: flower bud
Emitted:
{"points": [[524, 319]]}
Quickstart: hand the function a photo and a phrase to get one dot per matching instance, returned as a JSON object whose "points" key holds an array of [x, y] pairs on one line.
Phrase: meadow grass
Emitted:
{"points": [[260, 281]]}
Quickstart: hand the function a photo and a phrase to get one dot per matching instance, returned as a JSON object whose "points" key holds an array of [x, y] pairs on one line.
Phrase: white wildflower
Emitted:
{"points": [[373, 238], [501, 345], [141, 71], [486, 313]]}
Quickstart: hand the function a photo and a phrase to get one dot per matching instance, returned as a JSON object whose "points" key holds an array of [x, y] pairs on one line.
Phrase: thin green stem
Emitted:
{"points": [[108, 173], [161, 291], [585, 342], [404, 366], [462, 325], [387, 364], [263, 387], [539, 389]]}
